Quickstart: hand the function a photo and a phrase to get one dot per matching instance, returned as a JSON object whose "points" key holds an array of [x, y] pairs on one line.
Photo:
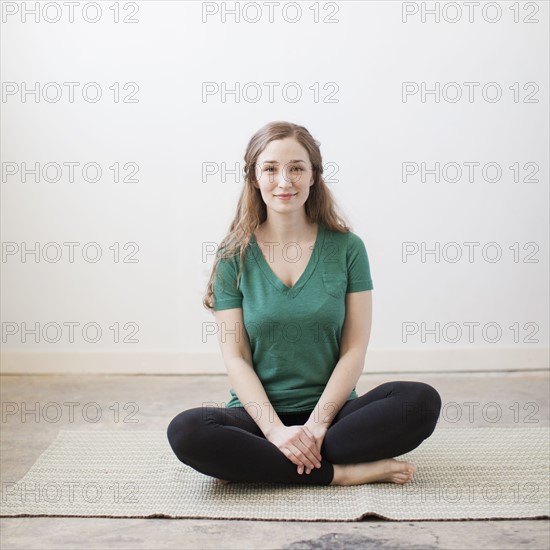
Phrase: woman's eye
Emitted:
{"points": [[272, 168]]}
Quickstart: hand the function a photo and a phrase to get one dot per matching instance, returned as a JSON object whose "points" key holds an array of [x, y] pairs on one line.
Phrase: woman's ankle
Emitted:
{"points": [[338, 478]]}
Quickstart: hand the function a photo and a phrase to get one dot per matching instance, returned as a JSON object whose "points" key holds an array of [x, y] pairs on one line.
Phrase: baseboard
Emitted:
{"points": [[378, 360]]}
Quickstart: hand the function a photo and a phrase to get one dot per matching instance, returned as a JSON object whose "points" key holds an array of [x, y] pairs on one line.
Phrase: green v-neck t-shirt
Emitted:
{"points": [[295, 333]]}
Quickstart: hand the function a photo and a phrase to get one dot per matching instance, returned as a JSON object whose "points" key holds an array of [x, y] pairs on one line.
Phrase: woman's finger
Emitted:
{"points": [[314, 445], [290, 455], [308, 454], [302, 457], [313, 449]]}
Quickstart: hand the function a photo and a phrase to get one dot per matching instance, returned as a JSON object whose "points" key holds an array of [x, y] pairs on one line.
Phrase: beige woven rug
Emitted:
{"points": [[462, 473]]}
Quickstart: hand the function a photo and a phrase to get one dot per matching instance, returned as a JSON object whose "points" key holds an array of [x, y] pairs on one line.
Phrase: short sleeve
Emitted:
{"points": [[226, 293], [359, 276]]}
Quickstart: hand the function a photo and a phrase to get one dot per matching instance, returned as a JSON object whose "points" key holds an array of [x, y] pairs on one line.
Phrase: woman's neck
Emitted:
{"points": [[287, 233]]}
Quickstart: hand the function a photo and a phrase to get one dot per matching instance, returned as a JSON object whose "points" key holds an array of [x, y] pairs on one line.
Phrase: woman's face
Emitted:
{"points": [[284, 168]]}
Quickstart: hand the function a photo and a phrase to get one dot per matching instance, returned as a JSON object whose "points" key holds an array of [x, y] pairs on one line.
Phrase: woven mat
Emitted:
{"points": [[462, 473]]}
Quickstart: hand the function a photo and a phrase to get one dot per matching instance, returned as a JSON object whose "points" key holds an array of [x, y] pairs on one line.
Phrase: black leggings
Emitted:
{"points": [[226, 443]]}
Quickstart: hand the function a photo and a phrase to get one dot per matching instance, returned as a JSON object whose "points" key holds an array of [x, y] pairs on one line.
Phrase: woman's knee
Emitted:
{"points": [[422, 403], [430, 396], [184, 430]]}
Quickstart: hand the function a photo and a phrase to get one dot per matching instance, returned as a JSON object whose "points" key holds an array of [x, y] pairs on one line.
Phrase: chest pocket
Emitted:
{"points": [[335, 284]]}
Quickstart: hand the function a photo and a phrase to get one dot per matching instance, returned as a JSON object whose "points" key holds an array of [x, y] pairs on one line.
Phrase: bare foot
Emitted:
{"points": [[223, 481], [385, 470]]}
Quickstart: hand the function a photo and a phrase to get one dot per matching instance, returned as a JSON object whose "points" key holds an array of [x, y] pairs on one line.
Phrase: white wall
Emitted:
{"points": [[171, 131]]}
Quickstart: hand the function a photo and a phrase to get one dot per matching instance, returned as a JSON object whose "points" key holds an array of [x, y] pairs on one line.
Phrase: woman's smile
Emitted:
{"points": [[286, 197]]}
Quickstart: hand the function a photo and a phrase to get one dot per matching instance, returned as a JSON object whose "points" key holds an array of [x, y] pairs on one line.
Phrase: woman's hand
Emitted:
{"points": [[318, 432], [298, 444]]}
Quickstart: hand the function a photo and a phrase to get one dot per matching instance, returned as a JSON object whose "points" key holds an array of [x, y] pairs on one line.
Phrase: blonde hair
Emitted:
{"points": [[320, 206]]}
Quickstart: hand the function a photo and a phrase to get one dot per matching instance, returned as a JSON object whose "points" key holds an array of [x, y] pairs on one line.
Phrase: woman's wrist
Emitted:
{"points": [[313, 420], [272, 426]]}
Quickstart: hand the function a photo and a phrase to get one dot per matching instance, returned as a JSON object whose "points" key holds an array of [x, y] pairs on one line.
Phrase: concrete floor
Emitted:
{"points": [[519, 397]]}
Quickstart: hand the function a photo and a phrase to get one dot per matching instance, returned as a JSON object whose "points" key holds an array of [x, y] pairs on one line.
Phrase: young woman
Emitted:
{"points": [[291, 294]]}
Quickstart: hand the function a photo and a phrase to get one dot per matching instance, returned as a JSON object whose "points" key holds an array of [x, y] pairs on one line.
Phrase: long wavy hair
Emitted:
{"points": [[251, 211]]}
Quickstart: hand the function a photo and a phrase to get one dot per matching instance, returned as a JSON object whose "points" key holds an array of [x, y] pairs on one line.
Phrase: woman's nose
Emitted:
{"points": [[284, 177]]}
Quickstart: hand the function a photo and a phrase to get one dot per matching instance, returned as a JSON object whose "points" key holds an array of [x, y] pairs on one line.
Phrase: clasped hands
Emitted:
{"points": [[301, 444]]}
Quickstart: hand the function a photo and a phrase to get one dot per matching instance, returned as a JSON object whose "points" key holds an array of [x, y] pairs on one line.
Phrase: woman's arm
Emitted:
{"points": [[297, 443], [237, 357], [353, 349]]}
